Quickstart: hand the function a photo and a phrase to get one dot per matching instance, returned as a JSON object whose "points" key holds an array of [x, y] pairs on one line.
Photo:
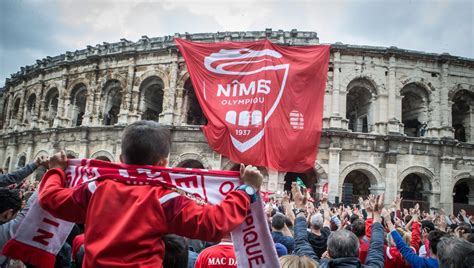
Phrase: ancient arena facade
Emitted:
{"points": [[395, 121]]}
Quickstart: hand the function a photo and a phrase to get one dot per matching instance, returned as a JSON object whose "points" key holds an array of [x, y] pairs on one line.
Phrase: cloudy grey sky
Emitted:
{"points": [[34, 29]]}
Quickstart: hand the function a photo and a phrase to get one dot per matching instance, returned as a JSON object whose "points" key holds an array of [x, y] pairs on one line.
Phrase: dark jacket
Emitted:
{"points": [[17, 176], [319, 242], [287, 241], [374, 256]]}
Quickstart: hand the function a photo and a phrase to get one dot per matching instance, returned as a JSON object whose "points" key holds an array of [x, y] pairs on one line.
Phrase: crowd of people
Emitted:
{"points": [[163, 227]]}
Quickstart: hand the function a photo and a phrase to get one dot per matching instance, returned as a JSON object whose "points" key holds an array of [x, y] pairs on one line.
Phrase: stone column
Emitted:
{"points": [[67, 118], [134, 116], [470, 130], [127, 96], [178, 120], [446, 183], [8, 111], [273, 181], [447, 129], [391, 176], [97, 114], [335, 119], [333, 174], [14, 155], [60, 111], [392, 116], [167, 115]]}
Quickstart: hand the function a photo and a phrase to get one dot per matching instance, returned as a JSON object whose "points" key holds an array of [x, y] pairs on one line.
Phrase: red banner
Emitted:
{"points": [[263, 102]]}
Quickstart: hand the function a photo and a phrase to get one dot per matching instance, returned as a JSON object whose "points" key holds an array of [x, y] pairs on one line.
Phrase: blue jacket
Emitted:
{"points": [[17, 176], [375, 257], [410, 256], [287, 241]]}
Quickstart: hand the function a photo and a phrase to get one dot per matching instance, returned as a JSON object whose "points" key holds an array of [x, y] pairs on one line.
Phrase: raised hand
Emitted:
{"points": [[251, 176], [300, 200], [42, 161]]}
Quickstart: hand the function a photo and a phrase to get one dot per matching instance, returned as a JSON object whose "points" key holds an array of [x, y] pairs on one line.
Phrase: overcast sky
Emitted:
{"points": [[34, 29]]}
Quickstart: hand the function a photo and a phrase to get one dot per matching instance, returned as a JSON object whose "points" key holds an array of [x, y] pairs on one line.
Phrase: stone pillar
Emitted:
{"points": [[392, 116], [13, 155], [333, 174], [391, 177], [335, 119], [178, 120], [134, 115], [273, 181], [446, 184], [68, 113], [98, 113], [470, 131], [127, 96], [8, 110], [60, 111], [166, 117], [447, 129]]}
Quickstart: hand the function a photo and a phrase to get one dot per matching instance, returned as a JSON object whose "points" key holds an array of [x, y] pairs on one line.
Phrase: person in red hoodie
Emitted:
{"points": [[393, 257], [124, 224]]}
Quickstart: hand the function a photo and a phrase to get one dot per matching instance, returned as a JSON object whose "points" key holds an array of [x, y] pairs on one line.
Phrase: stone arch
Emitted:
{"points": [[417, 184], [112, 93], [369, 170], [228, 165], [103, 153], [182, 79], [51, 103], [419, 81], [361, 93], [113, 77], [191, 156], [14, 114], [41, 153], [71, 154], [31, 101], [463, 190], [373, 80], [192, 111], [74, 83], [424, 172], [415, 109], [21, 162], [462, 101], [150, 73], [78, 102], [151, 97]]}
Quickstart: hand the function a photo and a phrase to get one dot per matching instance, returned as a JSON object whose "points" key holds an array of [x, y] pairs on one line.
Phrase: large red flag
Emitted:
{"points": [[263, 102]]}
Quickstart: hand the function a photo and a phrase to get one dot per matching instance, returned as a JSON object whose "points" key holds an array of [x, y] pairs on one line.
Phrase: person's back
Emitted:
{"points": [[124, 223], [221, 255], [318, 237]]}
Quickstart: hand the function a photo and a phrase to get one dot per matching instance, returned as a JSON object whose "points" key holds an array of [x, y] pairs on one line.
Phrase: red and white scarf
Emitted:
{"points": [[40, 236]]}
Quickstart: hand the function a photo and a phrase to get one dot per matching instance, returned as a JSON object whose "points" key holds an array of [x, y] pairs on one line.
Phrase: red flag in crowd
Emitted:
{"points": [[263, 102]]}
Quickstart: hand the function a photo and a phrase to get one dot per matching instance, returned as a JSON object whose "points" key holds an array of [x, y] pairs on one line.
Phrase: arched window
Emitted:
{"points": [[191, 107], [78, 103], [359, 105], [461, 115], [415, 105], [30, 107], [51, 106], [414, 190], [356, 184], [103, 158], [16, 109], [191, 163], [21, 161], [151, 98], [113, 101]]}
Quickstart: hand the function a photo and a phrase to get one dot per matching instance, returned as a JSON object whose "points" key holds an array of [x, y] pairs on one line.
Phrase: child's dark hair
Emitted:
{"points": [[145, 143], [9, 199], [176, 252]]}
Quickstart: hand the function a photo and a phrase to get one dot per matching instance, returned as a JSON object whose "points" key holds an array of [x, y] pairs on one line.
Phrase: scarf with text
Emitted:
{"points": [[40, 235]]}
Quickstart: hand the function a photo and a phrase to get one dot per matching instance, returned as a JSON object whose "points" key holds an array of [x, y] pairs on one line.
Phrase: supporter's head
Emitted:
{"points": [[281, 249], [145, 143], [427, 225], [408, 218], [453, 251], [358, 228], [317, 221], [470, 238], [10, 204], [176, 252], [464, 230], [278, 221], [291, 261], [288, 222], [343, 244], [353, 218], [434, 237]]}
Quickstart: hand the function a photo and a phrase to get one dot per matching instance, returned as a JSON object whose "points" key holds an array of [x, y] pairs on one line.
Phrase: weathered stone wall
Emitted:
{"points": [[385, 155]]}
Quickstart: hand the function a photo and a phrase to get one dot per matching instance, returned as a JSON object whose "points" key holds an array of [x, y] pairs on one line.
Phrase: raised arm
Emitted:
{"points": [[375, 254], [18, 175]]}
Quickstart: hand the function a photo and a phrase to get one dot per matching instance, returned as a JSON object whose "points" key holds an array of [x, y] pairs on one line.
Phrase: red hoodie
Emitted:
{"points": [[124, 223], [221, 255], [393, 257]]}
